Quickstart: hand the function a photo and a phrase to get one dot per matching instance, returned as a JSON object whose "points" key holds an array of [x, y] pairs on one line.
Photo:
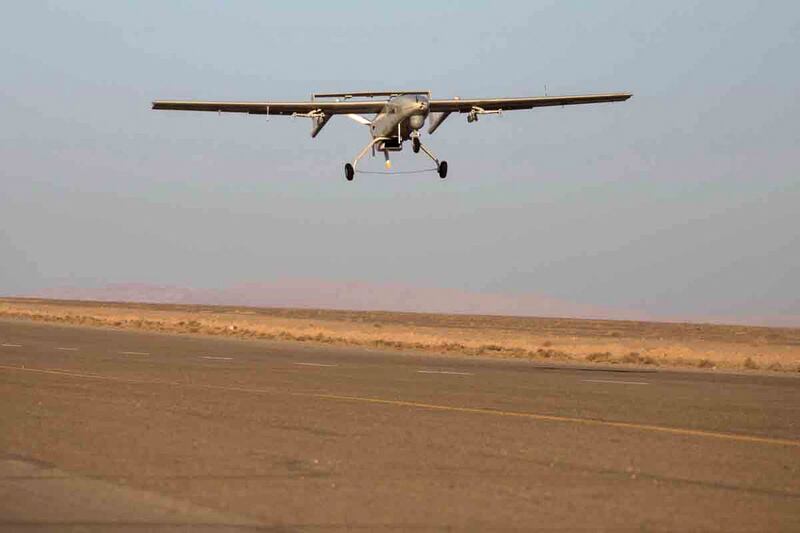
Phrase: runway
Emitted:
{"points": [[102, 428]]}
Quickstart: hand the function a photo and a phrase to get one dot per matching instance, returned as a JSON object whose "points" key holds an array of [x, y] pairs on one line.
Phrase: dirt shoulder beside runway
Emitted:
{"points": [[601, 341]]}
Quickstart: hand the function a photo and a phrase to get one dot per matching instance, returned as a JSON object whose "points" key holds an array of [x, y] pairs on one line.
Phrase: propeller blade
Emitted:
{"points": [[359, 119]]}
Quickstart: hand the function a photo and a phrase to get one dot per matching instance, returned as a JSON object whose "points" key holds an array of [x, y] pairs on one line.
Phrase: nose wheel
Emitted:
{"points": [[349, 172], [442, 168], [416, 144]]}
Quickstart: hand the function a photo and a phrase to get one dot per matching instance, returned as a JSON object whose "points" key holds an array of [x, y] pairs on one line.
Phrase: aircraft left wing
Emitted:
{"points": [[509, 104], [274, 108]]}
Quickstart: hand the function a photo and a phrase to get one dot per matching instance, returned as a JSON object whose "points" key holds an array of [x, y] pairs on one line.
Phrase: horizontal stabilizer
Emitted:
{"points": [[367, 94]]}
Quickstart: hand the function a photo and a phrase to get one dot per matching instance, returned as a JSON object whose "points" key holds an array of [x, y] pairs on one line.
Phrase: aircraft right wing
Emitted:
{"points": [[273, 108]]}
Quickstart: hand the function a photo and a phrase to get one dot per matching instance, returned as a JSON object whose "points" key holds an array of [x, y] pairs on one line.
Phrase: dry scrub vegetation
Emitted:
{"points": [[600, 341]]}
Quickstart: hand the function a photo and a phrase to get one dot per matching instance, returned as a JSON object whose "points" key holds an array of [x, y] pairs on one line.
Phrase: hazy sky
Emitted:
{"points": [[684, 200]]}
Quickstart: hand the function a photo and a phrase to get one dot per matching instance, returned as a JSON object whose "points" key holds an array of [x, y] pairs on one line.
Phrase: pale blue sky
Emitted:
{"points": [[682, 201]]}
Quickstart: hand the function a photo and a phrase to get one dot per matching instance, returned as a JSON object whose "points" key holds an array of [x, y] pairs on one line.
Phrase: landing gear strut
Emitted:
{"points": [[441, 166], [350, 169]]}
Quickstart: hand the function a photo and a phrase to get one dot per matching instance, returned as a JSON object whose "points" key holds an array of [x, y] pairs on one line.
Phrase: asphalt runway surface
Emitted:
{"points": [[135, 431]]}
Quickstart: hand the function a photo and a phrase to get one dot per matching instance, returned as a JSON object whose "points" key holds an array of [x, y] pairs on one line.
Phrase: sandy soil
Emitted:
{"points": [[601, 341]]}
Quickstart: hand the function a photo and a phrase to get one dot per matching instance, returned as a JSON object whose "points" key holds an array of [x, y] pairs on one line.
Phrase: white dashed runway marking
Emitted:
{"points": [[11, 345], [314, 364], [214, 358], [134, 353], [448, 372], [67, 349], [615, 382]]}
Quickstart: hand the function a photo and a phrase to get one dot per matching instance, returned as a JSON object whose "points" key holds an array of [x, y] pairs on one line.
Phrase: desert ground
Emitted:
{"points": [[112, 429], [582, 341]]}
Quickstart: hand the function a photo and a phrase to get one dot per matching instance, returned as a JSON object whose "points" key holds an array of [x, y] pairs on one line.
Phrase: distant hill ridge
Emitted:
{"points": [[356, 296], [360, 296]]}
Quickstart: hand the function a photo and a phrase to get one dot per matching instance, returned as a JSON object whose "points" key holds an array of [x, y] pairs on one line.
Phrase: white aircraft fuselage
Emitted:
{"points": [[400, 117]]}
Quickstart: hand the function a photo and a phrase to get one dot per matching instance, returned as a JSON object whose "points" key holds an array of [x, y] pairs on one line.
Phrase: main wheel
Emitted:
{"points": [[349, 172], [415, 144], [443, 169]]}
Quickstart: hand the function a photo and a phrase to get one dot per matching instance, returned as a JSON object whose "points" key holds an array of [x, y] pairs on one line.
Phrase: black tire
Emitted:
{"points": [[349, 172], [415, 144], [443, 169]]}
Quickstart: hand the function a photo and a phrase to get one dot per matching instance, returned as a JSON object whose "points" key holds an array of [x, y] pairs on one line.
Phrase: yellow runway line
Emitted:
{"points": [[436, 407], [568, 419]]}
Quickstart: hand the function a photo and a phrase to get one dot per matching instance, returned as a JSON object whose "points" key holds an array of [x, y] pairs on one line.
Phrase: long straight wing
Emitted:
{"points": [[273, 108], [509, 104]]}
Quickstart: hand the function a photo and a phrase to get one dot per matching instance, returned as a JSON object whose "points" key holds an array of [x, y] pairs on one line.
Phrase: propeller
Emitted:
{"points": [[359, 119]]}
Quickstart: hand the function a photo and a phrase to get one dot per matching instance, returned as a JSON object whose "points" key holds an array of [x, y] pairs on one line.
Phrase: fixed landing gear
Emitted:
{"points": [[442, 169], [350, 169], [441, 166]]}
